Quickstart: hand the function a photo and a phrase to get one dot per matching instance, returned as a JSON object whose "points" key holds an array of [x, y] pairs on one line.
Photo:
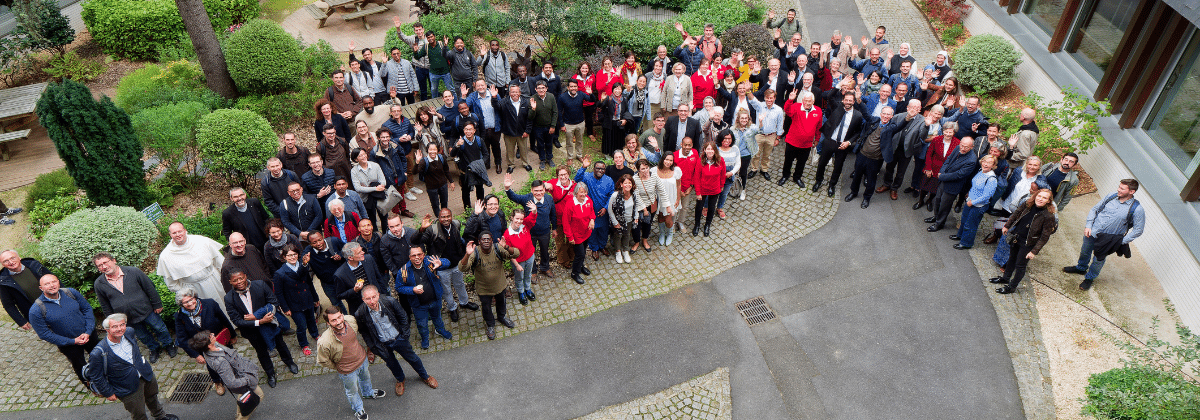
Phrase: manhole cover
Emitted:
{"points": [[755, 310], [192, 388]]}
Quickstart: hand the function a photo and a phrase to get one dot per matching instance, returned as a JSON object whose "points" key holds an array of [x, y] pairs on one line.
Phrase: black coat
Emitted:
{"points": [[394, 251], [957, 170], [513, 122], [297, 218], [13, 297], [782, 87], [211, 320], [260, 295], [255, 235], [392, 310], [449, 246], [671, 133], [834, 119], [295, 290], [339, 124], [344, 286]]}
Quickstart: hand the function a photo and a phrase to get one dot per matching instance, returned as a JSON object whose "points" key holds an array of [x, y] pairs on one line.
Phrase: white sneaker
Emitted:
{"points": [[410, 196], [620, 260], [628, 259], [742, 195], [415, 190]]}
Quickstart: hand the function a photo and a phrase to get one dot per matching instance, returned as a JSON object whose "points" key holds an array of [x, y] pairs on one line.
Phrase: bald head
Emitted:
{"points": [[1028, 114], [237, 243]]}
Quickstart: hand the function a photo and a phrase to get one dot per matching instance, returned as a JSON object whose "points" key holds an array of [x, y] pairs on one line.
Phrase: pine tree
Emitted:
{"points": [[96, 141], [42, 25]]}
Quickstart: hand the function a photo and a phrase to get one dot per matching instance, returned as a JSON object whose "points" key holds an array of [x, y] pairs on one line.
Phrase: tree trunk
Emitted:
{"points": [[204, 41]]}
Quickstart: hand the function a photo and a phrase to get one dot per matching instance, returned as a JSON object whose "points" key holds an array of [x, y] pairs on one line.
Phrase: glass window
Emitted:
{"points": [[1175, 121], [1102, 28], [1046, 13]]}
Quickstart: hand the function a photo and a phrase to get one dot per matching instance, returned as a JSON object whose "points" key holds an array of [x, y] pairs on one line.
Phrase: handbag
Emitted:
{"points": [[377, 195], [653, 205], [224, 337]]}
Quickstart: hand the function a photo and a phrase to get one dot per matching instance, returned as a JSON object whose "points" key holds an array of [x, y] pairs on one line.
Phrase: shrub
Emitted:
{"points": [[1141, 393], [168, 131], [320, 59], [464, 18], [945, 12], [158, 85], [95, 140], [181, 49], [133, 29], [170, 308], [14, 59], [986, 62], [262, 58], [752, 38], [50, 185], [390, 40], [42, 25], [676, 5], [643, 38], [70, 66], [69, 246], [723, 14], [52, 210], [236, 143], [201, 223], [287, 109]]}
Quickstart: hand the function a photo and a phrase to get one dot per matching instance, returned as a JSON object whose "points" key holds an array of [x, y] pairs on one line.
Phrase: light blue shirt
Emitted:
{"points": [[1112, 219], [123, 350], [387, 332], [770, 117], [489, 113]]}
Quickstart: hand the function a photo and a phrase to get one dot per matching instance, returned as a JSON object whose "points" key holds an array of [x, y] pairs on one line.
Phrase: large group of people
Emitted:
{"points": [[685, 131]]}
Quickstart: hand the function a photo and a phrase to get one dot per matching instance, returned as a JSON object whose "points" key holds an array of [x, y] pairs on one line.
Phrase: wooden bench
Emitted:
{"points": [[318, 14], [362, 14], [7, 137]]}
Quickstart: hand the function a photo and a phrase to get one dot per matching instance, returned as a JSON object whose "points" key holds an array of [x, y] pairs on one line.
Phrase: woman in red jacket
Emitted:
{"points": [[940, 147], [704, 84], [517, 236], [560, 190], [708, 179], [607, 78], [587, 84], [578, 222]]}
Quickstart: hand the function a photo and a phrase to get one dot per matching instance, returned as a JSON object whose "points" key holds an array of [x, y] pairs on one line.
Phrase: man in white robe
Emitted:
{"points": [[192, 260]]}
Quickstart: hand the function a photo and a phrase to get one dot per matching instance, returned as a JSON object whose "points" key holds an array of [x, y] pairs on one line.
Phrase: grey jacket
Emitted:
{"points": [[1062, 195], [138, 301], [236, 372], [463, 65], [393, 71]]}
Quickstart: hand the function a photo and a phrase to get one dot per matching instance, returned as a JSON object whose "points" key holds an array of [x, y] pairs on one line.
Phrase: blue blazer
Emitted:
{"points": [[112, 375], [294, 290], [957, 171], [546, 213], [211, 320]]}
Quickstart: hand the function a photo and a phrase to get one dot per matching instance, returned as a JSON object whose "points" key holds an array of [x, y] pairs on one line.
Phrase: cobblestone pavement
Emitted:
{"points": [[904, 24], [704, 397], [769, 217]]}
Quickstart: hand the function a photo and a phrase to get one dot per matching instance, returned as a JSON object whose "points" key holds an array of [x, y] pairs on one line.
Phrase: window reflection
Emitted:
{"points": [[1046, 13], [1178, 132], [1101, 30]]}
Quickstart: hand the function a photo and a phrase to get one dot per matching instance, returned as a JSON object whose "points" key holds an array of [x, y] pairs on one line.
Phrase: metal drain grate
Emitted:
{"points": [[755, 310], [191, 389]]}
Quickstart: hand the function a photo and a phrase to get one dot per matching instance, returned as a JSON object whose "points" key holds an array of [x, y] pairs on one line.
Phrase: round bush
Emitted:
{"points": [[132, 28], [49, 185], [235, 142], [263, 58], [986, 62], [752, 38], [69, 246]]}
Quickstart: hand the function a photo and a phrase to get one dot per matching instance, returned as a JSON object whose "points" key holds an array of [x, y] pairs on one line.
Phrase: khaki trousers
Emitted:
{"points": [[766, 142], [572, 140], [514, 149]]}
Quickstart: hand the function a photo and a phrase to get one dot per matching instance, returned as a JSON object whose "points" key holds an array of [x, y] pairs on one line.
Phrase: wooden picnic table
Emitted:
{"points": [[17, 105], [362, 9]]}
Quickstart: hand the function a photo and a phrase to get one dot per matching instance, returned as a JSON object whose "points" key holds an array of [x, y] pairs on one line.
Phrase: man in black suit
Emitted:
{"points": [[842, 127], [675, 131], [957, 170], [779, 82], [515, 124], [245, 216], [301, 213], [358, 271], [240, 303]]}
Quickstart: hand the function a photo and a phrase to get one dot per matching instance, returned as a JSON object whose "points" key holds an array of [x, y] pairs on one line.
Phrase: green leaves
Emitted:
{"points": [[986, 62], [263, 58], [235, 143], [69, 246], [138, 29]]}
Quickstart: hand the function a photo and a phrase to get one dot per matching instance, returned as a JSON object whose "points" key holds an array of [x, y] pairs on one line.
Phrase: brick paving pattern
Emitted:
{"points": [[704, 397], [904, 24]]}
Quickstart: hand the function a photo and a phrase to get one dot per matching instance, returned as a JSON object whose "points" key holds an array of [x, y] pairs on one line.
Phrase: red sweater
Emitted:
{"points": [[351, 227], [806, 126], [703, 87], [576, 220], [522, 240], [562, 200], [709, 179], [583, 85], [688, 166], [605, 82]]}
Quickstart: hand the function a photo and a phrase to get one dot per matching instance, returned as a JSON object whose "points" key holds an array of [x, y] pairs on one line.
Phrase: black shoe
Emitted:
{"points": [[696, 230], [172, 351], [958, 208], [851, 196], [706, 230], [997, 280], [293, 368], [1087, 284], [766, 176], [532, 297], [933, 228], [830, 190], [960, 247], [271, 381], [471, 306], [751, 175], [153, 356], [930, 219], [1070, 269], [1005, 290], [866, 202], [454, 315], [577, 278], [997, 213], [507, 322], [800, 184], [491, 333], [585, 271], [782, 181], [918, 204], [523, 299], [954, 237], [929, 205], [909, 190], [816, 186], [510, 169], [528, 168]]}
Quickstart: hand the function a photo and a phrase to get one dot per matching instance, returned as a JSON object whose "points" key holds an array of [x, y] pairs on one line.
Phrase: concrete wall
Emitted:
{"points": [[1162, 244]]}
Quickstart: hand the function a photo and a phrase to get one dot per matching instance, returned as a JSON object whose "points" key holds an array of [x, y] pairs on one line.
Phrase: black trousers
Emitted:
{"points": [[706, 201], [918, 172], [491, 140], [464, 182], [485, 302], [77, 355], [865, 167], [745, 168], [839, 158], [405, 98], [580, 256], [1014, 270], [264, 353], [793, 153], [941, 206], [542, 245]]}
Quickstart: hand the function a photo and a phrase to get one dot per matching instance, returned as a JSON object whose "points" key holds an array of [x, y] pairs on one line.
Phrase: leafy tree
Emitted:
{"points": [[42, 25], [552, 22], [96, 141]]}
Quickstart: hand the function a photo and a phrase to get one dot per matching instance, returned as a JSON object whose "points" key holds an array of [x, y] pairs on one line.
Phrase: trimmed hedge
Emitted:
{"points": [[69, 246], [235, 142], [138, 29], [262, 58]]}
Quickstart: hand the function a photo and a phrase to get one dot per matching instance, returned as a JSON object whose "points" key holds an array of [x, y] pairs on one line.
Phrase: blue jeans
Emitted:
{"points": [[452, 282], [153, 333], [305, 320], [357, 385], [446, 80], [970, 225], [401, 345], [1085, 256], [426, 313], [522, 279], [724, 192], [599, 238]]}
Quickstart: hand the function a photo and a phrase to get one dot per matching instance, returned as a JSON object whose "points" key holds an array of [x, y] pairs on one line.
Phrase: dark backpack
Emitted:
{"points": [[1128, 217]]}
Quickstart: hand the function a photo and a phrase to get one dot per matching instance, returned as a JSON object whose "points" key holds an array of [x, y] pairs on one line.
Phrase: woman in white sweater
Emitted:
{"points": [[645, 185], [368, 181], [730, 152]]}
